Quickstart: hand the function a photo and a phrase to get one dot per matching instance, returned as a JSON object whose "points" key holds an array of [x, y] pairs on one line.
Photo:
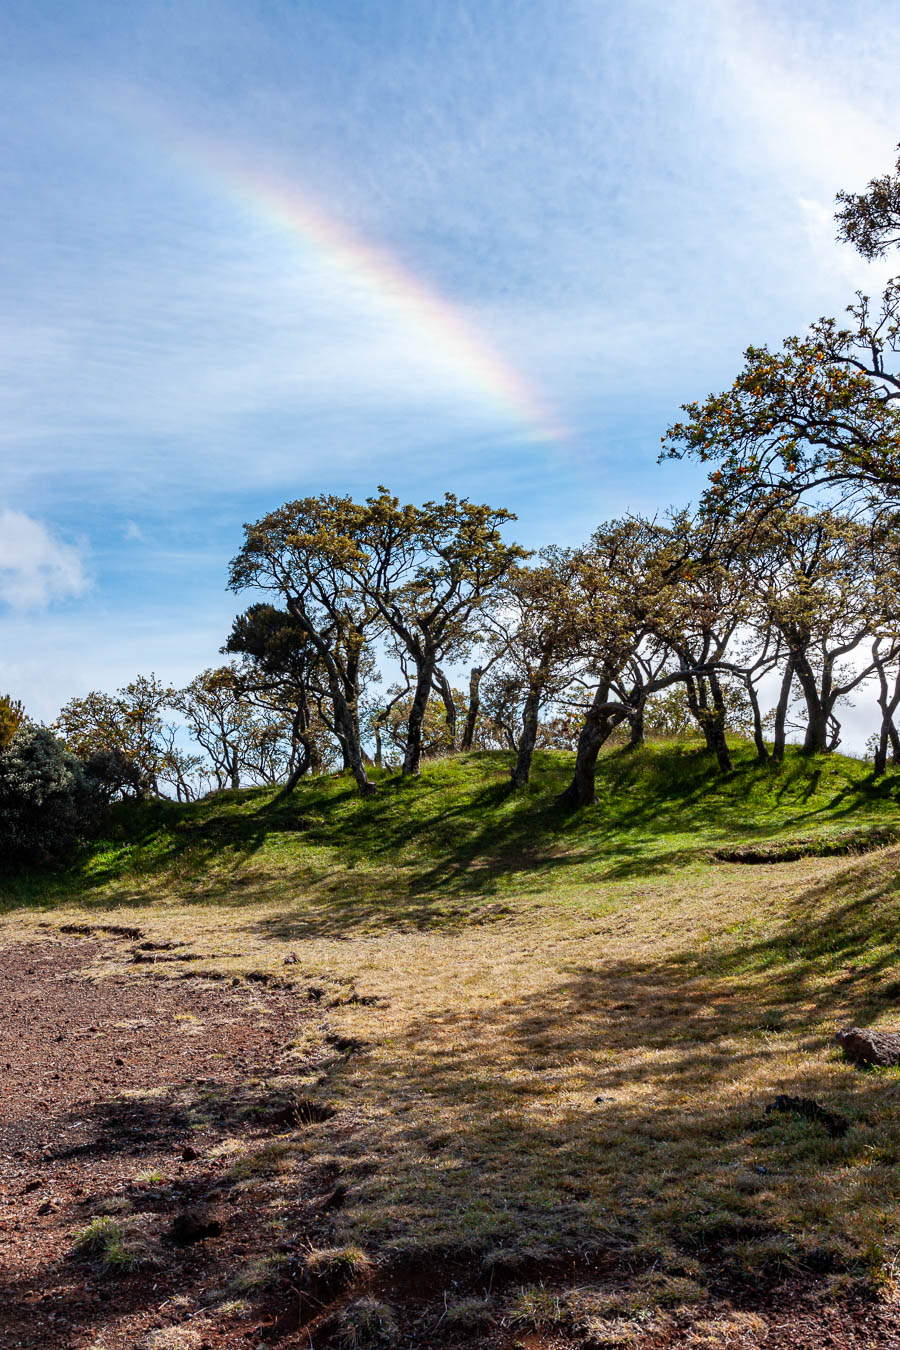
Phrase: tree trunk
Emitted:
{"points": [[636, 740], [522, 767], [353, 753], [815, 742], [711, 720], [887, 702], [412, 757], [346, 724], [880, 765], [762, 753], [468, 736], [784, 698], [598, 727], [894, 739], [718, 718], [698, 703], [442, 686], [300, 768]]}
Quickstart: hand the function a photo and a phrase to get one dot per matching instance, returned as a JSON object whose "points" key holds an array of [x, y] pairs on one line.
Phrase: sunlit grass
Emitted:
{"points": [[568, 1027]]}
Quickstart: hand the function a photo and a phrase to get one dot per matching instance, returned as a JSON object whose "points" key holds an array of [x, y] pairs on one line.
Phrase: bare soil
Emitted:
{"points": [[132, 1096], [116, 1093]]}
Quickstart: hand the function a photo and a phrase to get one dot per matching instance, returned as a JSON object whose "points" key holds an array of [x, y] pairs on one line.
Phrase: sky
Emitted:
{"points": [[254, 251]]}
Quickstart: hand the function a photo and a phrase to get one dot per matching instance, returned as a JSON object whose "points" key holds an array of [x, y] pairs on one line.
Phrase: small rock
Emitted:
{"points": [[864, 1046], [31, 1186], [46, 1208], [291, 959], [188, 1154]]}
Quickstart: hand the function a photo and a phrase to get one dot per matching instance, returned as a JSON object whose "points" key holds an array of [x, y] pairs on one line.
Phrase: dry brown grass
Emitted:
{"points": [[585, 1070]]}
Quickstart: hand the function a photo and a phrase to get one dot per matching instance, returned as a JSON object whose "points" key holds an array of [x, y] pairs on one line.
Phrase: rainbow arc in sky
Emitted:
{"points": [[453, 338]]}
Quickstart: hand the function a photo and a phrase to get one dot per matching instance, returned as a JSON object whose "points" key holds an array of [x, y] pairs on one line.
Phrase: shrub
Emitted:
{"points": [[47, 805]]}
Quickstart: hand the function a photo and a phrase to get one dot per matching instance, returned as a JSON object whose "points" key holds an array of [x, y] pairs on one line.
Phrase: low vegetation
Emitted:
{"points": [[554, 1037]]}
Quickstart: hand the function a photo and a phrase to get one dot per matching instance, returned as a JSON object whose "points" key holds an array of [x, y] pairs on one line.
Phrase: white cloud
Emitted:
{"points": [[36, 567]]}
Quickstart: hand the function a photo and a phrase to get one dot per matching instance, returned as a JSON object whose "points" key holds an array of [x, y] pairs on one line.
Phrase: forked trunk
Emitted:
{"points": [[599, 725]]}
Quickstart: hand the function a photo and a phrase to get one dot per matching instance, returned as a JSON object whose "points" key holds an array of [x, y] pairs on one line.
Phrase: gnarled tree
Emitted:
{"points": [[307, 553]]}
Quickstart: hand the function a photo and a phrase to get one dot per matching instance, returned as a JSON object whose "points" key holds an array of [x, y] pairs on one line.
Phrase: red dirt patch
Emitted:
{"points": [[116, 1092]]}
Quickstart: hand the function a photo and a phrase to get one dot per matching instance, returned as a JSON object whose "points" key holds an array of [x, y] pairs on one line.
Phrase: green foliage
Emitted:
{"points": [[46, 802], [870, 220], [12, 715], [121, 735]]}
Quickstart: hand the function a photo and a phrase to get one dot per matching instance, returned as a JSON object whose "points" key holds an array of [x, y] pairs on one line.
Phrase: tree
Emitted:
{"points": [[870, 220], [237, 736], [886, 660], [824, 411], [125, 728], [540, 631], [306, 553], [429, 571], [622, 580], [280, 667], [389, 725], [12, 716], [817, 587]]}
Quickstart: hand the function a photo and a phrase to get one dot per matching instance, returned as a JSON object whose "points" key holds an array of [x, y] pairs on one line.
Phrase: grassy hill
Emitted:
{"points": [[558, 1033]]}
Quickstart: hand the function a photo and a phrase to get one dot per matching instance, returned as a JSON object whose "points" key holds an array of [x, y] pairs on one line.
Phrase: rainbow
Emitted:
{"points": [[451, 336]]}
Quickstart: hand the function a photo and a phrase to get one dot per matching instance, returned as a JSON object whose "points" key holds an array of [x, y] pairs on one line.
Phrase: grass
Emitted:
{"points": [[555, 1035], [118, 1244]]}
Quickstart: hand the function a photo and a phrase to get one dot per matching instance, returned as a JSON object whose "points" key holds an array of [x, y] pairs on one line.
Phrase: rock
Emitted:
{"points": [[188, 1154], [291, 959], [46, 1208], [864, 1046], [31, 1186], [805, 1106]]}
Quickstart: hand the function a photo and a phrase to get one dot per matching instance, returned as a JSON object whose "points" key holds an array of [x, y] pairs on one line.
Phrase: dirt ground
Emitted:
{"points": [[142, 1199], [118, 1097]]}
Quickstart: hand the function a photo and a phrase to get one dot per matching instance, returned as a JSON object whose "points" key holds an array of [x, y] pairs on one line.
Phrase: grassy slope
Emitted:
{"points": [[578, 1019]]}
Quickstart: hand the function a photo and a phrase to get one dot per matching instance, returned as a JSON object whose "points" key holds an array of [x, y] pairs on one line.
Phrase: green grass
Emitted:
{"points": [[560, 1030], [459, 834]]}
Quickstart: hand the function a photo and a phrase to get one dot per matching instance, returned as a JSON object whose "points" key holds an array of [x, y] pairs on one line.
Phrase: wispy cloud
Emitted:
{"points": [[36, 567]]}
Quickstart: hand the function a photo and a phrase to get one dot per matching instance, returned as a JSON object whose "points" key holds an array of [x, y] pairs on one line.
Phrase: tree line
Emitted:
{"points": [[784, 578]]}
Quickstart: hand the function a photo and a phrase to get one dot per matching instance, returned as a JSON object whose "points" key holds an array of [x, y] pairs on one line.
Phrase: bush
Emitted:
{"points": [[111, 773], [47, 805]]}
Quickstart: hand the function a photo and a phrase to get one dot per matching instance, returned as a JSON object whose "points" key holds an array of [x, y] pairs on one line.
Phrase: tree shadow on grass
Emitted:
{"points": [[459, 833], [626, 1104]]}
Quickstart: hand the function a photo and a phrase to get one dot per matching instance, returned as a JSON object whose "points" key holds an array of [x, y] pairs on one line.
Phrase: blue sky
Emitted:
{"points": [[612, 200]]}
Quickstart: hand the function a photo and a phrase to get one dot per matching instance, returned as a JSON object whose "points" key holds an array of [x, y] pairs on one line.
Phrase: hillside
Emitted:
{"points": [[548, 1041]]}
